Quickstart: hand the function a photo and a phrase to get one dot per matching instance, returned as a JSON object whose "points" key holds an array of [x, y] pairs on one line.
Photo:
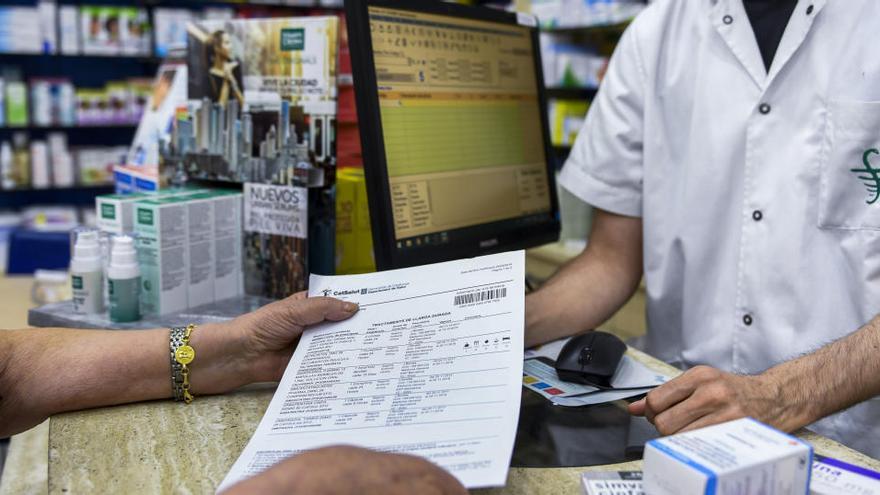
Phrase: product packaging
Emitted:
{"points": [[163, 255], [86, 273], [16, 103], [41, 176], [354, 240], [115, 212], [68, 27], [743, 457], [228, 278], [834, 477], [124, 281], [200, 231]]}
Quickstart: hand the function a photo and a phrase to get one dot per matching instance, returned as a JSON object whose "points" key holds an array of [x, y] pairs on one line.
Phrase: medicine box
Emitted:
{"points": [[200, 233], [743, 457], [214, 232], [115, 212], [227, 244], [834, 477], [162, 235]]}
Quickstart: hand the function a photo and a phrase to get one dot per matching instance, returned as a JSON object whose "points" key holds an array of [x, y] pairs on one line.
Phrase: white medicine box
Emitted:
{"points": [[744, 457]]}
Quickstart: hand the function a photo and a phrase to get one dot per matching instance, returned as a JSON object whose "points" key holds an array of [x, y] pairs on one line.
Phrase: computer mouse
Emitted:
{"points": [[590, 358]]}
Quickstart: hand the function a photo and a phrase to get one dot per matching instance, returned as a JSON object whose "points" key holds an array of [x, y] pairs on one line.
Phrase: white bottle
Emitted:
{"points": [[86, 274], [124, 281], [6, 180]]}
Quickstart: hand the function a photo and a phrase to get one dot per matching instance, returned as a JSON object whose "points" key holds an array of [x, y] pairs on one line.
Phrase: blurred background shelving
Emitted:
{"points": [[74, 77]]}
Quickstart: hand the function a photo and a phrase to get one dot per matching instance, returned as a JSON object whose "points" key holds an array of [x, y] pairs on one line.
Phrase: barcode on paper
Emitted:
{"points": [[482, 296]]}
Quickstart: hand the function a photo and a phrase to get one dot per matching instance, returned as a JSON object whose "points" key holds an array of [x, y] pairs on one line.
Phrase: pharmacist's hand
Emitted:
{"points": [[705, 396], [351, 471], [257, 346]]}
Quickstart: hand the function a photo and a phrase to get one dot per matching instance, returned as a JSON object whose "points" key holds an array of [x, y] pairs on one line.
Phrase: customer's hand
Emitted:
{"points": [[354, 471], [705, 396], [257, 346]]}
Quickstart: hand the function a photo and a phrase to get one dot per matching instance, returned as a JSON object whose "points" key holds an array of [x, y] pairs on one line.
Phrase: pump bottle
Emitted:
{"points": [[124, 281], [86, 274]]}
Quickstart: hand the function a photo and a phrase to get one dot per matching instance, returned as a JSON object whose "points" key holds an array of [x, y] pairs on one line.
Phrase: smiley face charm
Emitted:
{"points": [[184, 354]]}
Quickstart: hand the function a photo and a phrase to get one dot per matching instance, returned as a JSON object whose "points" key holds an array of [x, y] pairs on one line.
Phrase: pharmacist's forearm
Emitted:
{"points": [[580, 297], [831, 379], [593, 286]]}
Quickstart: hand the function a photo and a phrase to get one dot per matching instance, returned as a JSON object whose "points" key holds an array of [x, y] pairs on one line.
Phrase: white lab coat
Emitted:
{"points": [[750, 216]]}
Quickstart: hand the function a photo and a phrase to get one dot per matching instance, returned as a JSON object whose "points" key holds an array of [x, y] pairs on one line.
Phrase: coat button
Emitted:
{"points": [[809, 10], [727, 19], [757, 215], [747, 320], [764, 108]]}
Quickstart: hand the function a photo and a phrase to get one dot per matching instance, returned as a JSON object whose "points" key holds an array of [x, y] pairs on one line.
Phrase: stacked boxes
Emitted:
{"points": [[114, 211], [189, 248], [189, 244]]}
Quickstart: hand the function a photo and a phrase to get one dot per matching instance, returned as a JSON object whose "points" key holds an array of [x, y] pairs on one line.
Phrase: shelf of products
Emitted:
{"points": [[62, 126], [77, 196], [56, 102], [79, 57], [613, 26], [68, 128]]}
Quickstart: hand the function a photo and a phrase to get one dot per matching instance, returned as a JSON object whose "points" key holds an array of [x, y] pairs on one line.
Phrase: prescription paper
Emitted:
{"points": [[431, 365]]}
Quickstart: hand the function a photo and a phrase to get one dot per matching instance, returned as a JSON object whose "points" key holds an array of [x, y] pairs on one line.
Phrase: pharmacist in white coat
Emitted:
{"points": [[733, 155]]}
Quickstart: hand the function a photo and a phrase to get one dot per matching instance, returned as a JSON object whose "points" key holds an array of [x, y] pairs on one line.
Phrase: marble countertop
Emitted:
{"points": [[171, 448]]}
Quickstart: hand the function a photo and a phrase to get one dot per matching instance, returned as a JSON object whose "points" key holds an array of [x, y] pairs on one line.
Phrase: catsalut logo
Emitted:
{"points": [[870, 175]]}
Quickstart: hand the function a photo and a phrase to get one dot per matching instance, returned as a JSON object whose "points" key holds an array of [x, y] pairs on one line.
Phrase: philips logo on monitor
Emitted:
{"points": [[488, 243]]}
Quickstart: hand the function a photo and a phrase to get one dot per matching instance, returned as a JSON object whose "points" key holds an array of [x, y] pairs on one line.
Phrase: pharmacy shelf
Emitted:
{"points": [[74, 196], [82, 57], [78, 136], [53, 128], [602, 26], [179, 3]]}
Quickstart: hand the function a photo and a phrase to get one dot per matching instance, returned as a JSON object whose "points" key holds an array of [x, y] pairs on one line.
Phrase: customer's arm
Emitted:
{"points": [[593, 286], [788, 396], [48, 371]]}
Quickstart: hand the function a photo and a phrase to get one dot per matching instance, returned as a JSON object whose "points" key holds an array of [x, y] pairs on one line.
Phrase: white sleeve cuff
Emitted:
{"points": [[599, 194]]}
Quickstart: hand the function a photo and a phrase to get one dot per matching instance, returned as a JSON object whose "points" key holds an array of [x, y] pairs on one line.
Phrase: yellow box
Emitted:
{"points": [[354, 239]]}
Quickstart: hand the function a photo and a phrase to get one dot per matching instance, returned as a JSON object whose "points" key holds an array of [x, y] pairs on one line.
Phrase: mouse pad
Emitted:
{"points": [[554, 436]]}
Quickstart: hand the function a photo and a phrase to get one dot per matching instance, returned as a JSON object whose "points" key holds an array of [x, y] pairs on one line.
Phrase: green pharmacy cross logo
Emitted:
{"points": [[871, 176]]}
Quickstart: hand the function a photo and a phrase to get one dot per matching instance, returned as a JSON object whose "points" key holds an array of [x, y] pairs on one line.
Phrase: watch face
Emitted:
{"points": [[184, 354]]}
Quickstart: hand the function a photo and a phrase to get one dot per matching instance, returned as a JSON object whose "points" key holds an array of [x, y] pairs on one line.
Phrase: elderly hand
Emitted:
{"points": [[351, 471], [257, 346], [705, 396]]}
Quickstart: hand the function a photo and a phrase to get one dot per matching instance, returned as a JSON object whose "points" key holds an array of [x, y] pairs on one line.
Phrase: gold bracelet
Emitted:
{"points": [[184, 354]]}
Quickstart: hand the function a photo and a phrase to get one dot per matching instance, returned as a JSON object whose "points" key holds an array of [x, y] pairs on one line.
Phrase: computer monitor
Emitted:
{"points": [[454, 132]]}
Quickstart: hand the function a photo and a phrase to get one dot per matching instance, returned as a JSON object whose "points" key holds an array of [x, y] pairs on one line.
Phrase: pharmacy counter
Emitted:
{"points": [[172, 448]]}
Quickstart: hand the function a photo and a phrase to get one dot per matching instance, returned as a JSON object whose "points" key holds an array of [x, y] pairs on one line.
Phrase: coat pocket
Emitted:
{"points": [[849, 190]]}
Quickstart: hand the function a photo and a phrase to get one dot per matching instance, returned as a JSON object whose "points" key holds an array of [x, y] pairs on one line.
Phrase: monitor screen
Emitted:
{"points": [[462, 127]]}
